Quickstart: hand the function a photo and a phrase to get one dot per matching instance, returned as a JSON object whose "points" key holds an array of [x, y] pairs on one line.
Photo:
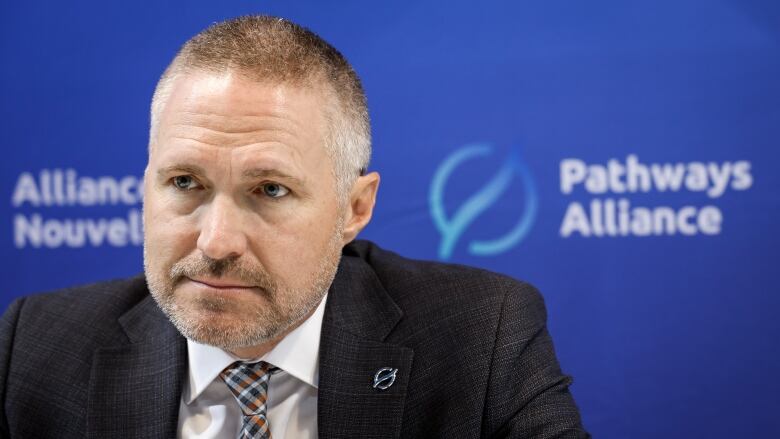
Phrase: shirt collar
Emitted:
{"points": [[297, 354]]}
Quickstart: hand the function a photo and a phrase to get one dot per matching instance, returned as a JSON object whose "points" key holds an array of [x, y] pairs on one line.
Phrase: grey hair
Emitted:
{"points": [[276, 50]]}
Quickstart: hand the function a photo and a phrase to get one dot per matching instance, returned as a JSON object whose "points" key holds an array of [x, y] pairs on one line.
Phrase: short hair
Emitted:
{"points": [[276, 50]]}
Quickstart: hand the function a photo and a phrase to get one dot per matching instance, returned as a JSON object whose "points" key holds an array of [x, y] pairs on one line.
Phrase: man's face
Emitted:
{"points": [[243, 227]]}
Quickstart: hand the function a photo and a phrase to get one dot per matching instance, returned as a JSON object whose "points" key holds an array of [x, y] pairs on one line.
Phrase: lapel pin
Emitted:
{"points": [[384, 378]]}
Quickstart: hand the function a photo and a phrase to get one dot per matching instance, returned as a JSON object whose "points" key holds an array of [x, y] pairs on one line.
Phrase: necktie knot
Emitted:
{"points": [[249, 384]]}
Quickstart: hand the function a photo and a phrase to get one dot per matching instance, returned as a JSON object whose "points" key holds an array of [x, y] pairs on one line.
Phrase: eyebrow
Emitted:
{"points": [[249, 173], [186, 169], [271, 173]]}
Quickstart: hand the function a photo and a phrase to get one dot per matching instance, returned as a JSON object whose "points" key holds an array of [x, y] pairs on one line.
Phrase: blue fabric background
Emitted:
{"points": [[668, 336]]}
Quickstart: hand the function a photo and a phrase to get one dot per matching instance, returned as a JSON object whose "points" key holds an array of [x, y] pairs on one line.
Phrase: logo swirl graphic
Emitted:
{"points": [[384, 378], [452, 228]]}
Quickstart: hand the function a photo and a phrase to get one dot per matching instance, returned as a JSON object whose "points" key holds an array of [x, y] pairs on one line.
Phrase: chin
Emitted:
{"points": [[223, 330]]}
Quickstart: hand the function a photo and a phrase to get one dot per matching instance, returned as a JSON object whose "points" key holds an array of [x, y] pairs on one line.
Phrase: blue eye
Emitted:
{"points": [[275, 190], [185, 182]]}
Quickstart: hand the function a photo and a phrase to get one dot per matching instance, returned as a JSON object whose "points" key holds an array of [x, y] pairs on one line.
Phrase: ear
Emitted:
{"points": [[361, 205]]}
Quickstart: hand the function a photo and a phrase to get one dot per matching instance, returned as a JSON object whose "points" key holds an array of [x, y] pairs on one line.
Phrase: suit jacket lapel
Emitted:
{"points": [[135, 388], [358, 317]]}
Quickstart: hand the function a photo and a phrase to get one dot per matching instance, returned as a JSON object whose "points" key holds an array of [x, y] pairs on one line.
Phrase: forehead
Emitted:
{"points": [[230, 102], [234, 87], [206, 111]]}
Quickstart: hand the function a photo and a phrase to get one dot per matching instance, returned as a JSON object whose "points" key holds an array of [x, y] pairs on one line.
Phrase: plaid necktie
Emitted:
{"points": [[249, 384]]}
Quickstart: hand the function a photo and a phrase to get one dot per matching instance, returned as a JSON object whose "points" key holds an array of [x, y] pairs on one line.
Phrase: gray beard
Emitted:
{"points": [[283, 310]]}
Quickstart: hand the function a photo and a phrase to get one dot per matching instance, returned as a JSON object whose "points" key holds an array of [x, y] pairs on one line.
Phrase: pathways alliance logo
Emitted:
{"points": [[452, 228], [618, 199]]}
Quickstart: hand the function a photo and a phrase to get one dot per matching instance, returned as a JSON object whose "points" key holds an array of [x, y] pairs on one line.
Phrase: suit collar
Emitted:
{"points": [[359, 316], [135, 388], [360, 304], [145, 320]]}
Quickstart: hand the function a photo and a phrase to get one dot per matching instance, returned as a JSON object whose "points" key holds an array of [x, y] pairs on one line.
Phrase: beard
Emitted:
{"points": [[229, 323]]}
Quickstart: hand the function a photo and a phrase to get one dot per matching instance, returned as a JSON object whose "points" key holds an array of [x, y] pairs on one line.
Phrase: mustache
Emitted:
{"points": [[232, 268]]}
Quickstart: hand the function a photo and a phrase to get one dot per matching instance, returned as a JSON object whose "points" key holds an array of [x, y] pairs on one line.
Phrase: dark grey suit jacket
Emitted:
{"points": [[473, 355]]}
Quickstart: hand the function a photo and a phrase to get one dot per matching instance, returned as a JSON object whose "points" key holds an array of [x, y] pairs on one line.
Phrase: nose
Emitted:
{"points": [[221, 231]]}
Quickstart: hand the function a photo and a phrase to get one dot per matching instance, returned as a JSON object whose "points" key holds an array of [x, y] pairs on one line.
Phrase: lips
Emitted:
{"points": [[222, 284]]}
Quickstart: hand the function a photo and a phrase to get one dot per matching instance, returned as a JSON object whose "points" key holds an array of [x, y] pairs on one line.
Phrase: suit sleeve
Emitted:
{"points": [[528, 395], [7, 332]]}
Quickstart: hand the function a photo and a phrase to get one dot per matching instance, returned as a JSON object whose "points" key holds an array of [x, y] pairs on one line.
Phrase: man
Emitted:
{"points": [[258, 314]]}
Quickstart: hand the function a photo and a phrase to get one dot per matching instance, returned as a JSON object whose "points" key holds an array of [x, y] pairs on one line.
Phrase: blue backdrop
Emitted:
{"points": [[619, 155]]}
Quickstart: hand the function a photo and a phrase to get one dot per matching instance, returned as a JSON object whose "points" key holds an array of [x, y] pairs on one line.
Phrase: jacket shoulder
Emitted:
{"points": [[411, 280], [47, 341], [81, 315]]}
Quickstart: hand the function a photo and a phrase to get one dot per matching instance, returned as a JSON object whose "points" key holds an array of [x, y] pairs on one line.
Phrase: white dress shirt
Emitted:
{"points": [[209, 410]]}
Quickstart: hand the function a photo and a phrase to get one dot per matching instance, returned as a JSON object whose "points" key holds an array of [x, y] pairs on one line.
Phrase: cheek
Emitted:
{"points": [[293, 250], [167, 237]]}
